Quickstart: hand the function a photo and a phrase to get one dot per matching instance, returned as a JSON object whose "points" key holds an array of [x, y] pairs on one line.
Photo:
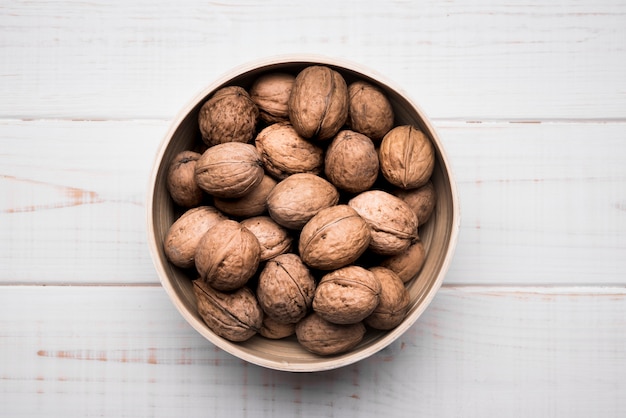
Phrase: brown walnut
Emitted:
{"points": [[422, 200], [392, 222], [369, 110], [275, 330], [273, 238], [184, 235], [253, 203], [335, 237], [346, 295], [351, 162], [407, 263], [298, 198], [229, 115], [229, 170], [227, 256], [394, 301], [286, 287], [181, 180], [284, 152], [235, 316], [324, 338], [271, 93], [318, 104], [407, 157]]}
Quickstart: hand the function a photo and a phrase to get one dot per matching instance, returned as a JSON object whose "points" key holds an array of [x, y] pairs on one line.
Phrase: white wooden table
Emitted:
{"points": [[529, 98]]}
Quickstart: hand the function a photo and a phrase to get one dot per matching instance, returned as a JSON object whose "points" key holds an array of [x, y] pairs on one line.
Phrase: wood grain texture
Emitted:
{"points": [[477, 351], [467, 59], [541, 203]]}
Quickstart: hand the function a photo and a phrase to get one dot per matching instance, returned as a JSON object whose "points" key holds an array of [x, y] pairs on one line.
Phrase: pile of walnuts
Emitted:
{"points": [[301, 209]]}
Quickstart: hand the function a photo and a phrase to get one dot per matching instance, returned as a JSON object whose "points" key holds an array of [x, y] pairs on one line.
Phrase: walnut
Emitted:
{"points": [[298, 198], [346, 295], [235, 316], [392, 222], [227, 256], [324, 338], [369, 110], [229, 115], [351, 162], [407, 157], [271, 93], [229, 170], [335, 237], [253, 203], [273, 238], [318, 104], [285, 152], [275, 330], [407, 263], [184, 235], [394, 301], [285, 289], [422, 200], [181, 180]]}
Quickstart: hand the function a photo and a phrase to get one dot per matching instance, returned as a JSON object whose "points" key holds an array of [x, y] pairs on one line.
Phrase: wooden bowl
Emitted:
{"points": [[439, 234]]}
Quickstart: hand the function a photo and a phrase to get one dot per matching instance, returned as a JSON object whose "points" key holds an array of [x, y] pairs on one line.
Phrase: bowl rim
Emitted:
{"points": [[324, 363]]}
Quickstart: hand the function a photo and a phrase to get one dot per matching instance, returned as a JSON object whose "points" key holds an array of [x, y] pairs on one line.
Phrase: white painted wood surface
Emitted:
{"points": [[531, 318]]}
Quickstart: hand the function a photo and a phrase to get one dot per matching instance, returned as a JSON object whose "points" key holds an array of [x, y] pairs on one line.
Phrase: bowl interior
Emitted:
{"points": [[438, 234]]}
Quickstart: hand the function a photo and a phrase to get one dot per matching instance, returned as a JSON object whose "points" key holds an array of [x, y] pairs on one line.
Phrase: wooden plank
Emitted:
{"points": [[477, 351], [541, 203], [469, 60]]}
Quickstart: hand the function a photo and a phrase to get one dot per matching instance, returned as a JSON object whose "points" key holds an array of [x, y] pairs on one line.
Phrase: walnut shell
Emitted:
{"points": [[407, 263], [184, 235], [235, 316], [275, 330], [369, 110], [286, 287], [351, 162], [407, 157], [270, 92], [273, 238], [181, 180], [394, 301], [227, 256], [393, 223], [296, 199], [422, 200], [229, 170], [229, 115], [318, 104], [335, 237], [324, 338], [253, 203], [346, 295], [284, 152]]}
